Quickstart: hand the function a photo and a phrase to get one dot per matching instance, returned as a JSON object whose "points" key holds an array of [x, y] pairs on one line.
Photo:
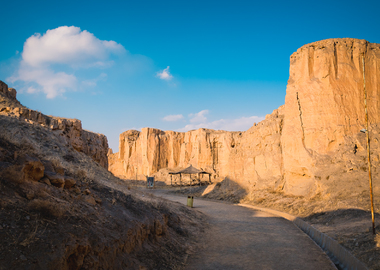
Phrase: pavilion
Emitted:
{"points": [[189, 170]]}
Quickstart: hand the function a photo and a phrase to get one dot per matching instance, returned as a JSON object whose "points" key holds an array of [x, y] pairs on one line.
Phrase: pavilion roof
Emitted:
{"points": [[189, 170]]}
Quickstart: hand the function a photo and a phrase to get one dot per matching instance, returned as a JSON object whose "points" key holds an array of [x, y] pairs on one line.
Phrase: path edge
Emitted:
{"points": [[337, 253]]}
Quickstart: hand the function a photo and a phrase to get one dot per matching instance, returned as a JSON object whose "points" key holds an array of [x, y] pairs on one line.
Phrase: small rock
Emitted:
{"points": [[98, 200], [90, 200], [87, 191], [55, 179], [30, 195], [27, 217], [60, 170], [370, 259], [69, 182], [22, 258], [357, 244], [46, 181]]}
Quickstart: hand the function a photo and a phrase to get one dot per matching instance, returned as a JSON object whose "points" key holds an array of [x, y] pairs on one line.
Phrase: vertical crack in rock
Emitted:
{"points": [[303, 131], [214, 153], [335, 61]]}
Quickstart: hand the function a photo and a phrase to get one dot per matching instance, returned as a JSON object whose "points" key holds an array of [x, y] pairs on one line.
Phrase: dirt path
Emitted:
{"points": [[241, 238]]}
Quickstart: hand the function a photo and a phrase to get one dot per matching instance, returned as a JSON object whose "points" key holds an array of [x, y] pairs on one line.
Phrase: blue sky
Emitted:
{"points": [[172, 65]]}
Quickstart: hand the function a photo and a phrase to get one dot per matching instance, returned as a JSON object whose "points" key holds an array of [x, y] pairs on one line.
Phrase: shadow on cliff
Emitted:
{"points": [[352, 228], [226, 190]]}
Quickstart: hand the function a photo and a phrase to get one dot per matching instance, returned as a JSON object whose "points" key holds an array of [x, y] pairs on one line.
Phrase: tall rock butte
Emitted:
{"points": [[299, 148]]}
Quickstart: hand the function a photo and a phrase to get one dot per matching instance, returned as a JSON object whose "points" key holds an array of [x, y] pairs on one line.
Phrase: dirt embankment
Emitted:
{"points": [[59, 209]]}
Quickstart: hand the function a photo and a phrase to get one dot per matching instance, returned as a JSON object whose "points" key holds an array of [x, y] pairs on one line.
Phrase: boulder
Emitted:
{"points": [[33, 168], [56, 180], [69, 182]]}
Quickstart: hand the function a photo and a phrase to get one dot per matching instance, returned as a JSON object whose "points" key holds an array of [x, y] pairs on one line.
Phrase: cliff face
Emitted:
{"points": [[69, 131], [300, 147], [254, 155], [324, 104]]}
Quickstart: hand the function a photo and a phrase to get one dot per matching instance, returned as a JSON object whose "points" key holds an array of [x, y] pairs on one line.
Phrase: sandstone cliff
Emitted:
{"points": [[324, 104], [250, 158], [310, 145], [69, 131]]}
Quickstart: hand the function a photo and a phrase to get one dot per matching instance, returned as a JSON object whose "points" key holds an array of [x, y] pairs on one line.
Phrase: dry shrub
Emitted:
{"points": [[37, 189], [13, 174], [3, 203], [43, 192], [377, 240], [82, 174], [48, 209], [160, 204], [259, 200]]}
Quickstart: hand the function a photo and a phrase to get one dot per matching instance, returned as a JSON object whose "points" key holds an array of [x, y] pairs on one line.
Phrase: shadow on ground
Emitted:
{"points": [[352, 228], [227, 190]]}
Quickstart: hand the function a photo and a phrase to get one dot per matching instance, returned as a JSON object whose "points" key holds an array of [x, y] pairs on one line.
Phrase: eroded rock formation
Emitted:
{"points": [[300, 147], [68, 130]]}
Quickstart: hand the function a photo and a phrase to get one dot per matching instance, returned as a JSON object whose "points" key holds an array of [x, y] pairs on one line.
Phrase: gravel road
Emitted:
{"points": [[242, 238]]}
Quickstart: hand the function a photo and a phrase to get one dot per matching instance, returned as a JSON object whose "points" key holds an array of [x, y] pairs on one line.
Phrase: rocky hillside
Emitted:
{"points": [[61, 209], [311, 145], [69, 131]]}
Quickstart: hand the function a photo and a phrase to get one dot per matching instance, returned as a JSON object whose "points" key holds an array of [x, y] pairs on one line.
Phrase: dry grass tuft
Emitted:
{"points": [[47, 208], [377, 240], [13, 174]]}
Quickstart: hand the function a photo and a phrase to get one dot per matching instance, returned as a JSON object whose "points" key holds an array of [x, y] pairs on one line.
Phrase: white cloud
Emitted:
{"points": [[67, 45], [198, 117], [165, 74], [49, 61], [239, 124], [173, 118]]}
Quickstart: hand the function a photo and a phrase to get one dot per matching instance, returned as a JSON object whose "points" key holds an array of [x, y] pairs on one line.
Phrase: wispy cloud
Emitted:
{"points": [[198, 117], [173, 118], [199, 120], [165, 74], [49, 61]]}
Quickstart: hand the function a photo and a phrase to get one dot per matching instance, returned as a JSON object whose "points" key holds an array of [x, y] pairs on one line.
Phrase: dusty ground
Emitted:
{"points": [[349, 225], [242, 238]]}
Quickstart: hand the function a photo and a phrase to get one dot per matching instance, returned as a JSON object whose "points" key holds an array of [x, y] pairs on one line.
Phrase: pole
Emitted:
{"points": [[368, 150]]}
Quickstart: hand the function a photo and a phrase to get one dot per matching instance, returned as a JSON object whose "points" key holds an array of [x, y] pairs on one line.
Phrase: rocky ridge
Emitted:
{"points": [[69, 131], [60, 209]]}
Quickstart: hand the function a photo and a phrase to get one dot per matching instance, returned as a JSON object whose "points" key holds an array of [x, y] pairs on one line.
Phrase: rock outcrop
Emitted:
{"points": [[68, 130], [254, 155], [300, 147], [324, 103]]}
